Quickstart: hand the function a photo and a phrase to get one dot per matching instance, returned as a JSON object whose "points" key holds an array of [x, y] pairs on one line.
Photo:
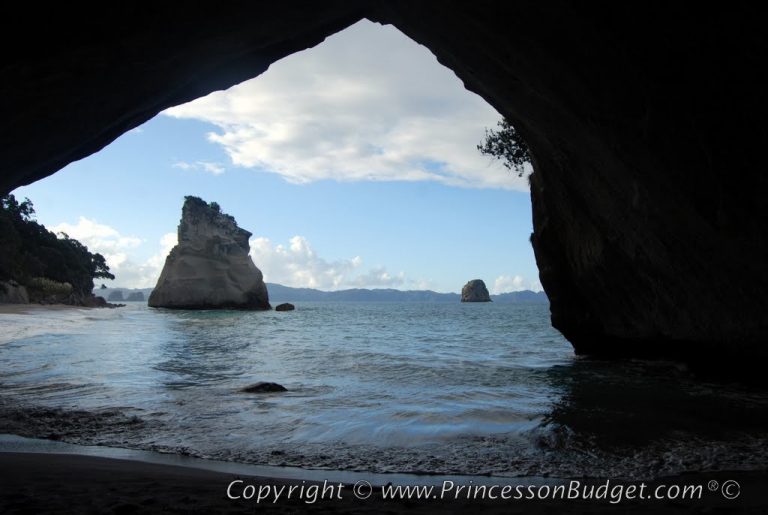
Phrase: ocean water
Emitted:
{"points": [[382, 387]]}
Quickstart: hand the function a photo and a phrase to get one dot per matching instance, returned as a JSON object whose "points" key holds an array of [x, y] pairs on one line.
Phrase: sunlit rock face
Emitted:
{"points": [[646, 123], [210, 267]]}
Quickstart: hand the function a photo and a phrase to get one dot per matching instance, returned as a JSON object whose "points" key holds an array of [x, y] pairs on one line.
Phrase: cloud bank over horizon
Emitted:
{"points": [[118, 251], [368, 104], [298, 265], [506, 284], [295, 263]]}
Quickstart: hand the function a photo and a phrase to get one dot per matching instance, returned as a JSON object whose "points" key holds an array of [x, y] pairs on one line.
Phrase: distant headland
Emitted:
{"points": [[279, 293], [42, 267]]}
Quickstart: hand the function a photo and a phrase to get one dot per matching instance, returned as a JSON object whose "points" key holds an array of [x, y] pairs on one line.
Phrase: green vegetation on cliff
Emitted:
{"points": [[506, 145], [34, 256]]}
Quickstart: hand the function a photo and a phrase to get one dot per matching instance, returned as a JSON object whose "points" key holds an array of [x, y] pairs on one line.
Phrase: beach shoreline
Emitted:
{"points": [[42, 483], [58, 477], [32, 308]]}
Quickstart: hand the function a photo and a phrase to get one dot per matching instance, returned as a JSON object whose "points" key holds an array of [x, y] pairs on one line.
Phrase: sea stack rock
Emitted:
{"points": [[210, 267], [475, 291]]}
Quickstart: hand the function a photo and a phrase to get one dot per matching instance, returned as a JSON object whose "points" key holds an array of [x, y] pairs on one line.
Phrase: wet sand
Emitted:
{"points": [[19, 321], [63, 483], [31, 309]]}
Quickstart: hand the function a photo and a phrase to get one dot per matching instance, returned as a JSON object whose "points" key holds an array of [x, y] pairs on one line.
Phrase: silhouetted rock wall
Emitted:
{"points": [[646, 124]]}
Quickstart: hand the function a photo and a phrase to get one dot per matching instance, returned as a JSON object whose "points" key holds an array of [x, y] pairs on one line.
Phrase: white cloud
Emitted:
{"points": [[117, 250], [205, 166], [95, 235], [293, 264], [367, 104], [508, 283], [167, 242], [297, 264], [378, 276]]}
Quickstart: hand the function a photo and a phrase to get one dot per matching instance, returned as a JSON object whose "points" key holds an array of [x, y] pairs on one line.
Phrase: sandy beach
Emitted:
{"points": [[20, 321], [55, 482], [59, 483], [29, 309]]}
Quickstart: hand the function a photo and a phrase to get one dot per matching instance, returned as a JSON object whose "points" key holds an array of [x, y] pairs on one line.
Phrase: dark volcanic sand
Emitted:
{"points": [[62, 483]]}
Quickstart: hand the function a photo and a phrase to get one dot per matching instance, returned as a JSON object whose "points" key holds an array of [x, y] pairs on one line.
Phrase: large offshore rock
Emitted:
{"points": [[210, 267], [475, 291]]}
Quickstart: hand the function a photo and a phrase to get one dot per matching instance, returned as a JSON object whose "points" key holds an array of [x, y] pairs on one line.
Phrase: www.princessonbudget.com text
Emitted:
{"points": [[605, 491]]}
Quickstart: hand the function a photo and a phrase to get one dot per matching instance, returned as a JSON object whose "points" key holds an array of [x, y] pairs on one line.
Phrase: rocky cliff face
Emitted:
{"points": [[648, 195], [646, 123], [210, 267], [475, 291], [12, 292]]}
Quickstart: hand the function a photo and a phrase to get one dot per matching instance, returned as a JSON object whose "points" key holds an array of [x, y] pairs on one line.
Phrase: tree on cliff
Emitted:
{"points": [[506, 145], [28, 251]]}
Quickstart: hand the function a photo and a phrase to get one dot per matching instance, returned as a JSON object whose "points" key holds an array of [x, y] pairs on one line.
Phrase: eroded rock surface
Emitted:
{"points": [[12, 292], [210, 267], [475, 291]]}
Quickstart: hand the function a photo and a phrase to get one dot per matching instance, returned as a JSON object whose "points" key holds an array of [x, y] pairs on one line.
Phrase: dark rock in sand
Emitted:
{"points": [[264, 387], [287, 306], [475, 291], [96, 302]]}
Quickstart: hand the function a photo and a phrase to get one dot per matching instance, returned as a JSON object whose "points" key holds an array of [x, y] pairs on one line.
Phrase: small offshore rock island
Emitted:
{"points": [[210, 267], [475, 291]]}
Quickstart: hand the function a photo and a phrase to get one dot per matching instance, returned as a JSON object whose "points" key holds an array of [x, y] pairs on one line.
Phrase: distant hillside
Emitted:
{"points": [[279, 293], [122, 294], [519, 297]]}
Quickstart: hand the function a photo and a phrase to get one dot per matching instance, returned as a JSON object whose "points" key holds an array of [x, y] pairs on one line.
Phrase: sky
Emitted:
{"points": [[353, 163]]}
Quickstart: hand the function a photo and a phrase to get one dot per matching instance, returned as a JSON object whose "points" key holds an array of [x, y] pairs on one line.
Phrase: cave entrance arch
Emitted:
{"points": [[361, 140], [618, 104]]}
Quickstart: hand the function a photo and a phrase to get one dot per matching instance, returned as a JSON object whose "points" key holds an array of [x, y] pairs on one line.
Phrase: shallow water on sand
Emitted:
{"points": [[382, 387]]}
